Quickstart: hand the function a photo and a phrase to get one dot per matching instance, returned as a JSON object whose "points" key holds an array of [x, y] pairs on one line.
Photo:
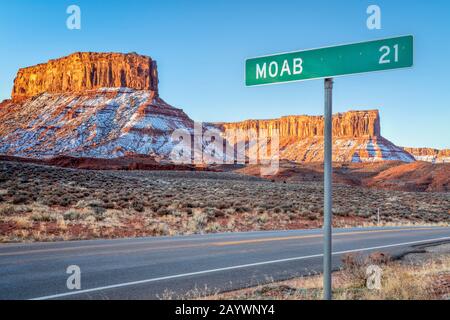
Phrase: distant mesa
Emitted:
{"points": [[429, 154], [107, 105], [351, 124], [356, 137]]}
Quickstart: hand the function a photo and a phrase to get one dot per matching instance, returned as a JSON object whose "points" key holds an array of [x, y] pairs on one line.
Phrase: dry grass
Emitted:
{"points": [[41, 203], [400, 281]]}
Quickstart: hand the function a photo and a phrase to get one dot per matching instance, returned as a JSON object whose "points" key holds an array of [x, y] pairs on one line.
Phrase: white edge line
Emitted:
{"points": [[125, 284]]}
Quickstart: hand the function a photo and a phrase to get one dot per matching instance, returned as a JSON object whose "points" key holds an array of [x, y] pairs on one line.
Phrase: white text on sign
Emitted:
{"points": [[273, 68]]}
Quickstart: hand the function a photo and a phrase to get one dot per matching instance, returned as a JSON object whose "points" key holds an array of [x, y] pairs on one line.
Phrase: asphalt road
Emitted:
{"points": [[166, 267]]}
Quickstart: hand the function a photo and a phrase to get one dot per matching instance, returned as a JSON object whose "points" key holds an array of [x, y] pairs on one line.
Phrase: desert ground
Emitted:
{"points": [[46, 203], [420, 275]]}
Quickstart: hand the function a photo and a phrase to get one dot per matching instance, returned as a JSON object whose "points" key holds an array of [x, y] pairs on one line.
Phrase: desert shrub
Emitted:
{"points": [[99, 216], [121, 204], [163, 211], [125, 198], [176, 213], [188, 205], [10, 210], [64, 201], [22, 222], [72, 215], [159, 229], [50, 201], [241, 209], [96, 206], [90, 204], [229, 211], [287, 208], [364, 213], [222, 205], [7, 210], [43, 217], [197, 222], [213, 212], [341, 212], [57, 193], [98, 213], [12, 191], [354, 268], [109, 205], [138, 206], [219, 213], [379, 258], [262, 218], [21, 199], [210, 204], [23, 180], [214, 227], [231, 225], [291, 215]]}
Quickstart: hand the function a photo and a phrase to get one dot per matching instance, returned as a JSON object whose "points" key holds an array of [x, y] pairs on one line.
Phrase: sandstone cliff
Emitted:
{"points": [[84, 71], [429, 154], [350, 124], [356, 137]]}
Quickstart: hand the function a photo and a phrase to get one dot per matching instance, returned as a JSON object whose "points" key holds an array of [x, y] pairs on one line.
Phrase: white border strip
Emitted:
{"points": [[126, 284], [330, 46]]}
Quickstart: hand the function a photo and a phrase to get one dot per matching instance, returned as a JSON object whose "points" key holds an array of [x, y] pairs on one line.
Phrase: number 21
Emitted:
{"points": [[387, 51]]}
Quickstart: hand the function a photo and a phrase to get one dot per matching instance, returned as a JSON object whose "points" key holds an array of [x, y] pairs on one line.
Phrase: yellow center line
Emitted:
{"points": [[117, 247], [229, 243], [114, 246]]}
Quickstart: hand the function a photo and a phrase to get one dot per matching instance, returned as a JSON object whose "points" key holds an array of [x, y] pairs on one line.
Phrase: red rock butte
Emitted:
{"points": [[83, 71], [351, 124]]}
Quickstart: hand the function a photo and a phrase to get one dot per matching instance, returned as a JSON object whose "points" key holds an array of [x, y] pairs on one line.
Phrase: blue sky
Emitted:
{"points": [[201, 46]]}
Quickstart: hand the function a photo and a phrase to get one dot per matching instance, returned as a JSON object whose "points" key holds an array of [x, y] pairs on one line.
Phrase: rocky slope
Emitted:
{"points": [[429, 154], [417, 176], [103, 124]]}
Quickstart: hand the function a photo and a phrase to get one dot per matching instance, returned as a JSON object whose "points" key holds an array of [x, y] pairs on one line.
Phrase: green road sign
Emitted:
{"points": [[377, 55]]}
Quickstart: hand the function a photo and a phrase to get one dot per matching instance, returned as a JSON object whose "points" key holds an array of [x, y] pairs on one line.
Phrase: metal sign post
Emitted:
{"points": [[327, 188], [325, 63]]}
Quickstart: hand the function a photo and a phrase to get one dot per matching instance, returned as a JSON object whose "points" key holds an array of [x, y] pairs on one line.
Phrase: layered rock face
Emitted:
{"points": [[429, 154], [106, 105], [84, 71], [356, 137], [352, 124]]}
